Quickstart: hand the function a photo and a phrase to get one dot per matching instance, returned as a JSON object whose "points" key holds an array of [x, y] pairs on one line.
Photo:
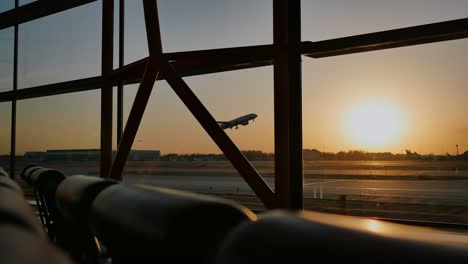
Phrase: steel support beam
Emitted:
{"points": [[35, 10], [403, 37], [230, 150], [13, 140], [13, 102], [121, 64], [81, 85], [288, 104], [106, 89], [191, 63]]}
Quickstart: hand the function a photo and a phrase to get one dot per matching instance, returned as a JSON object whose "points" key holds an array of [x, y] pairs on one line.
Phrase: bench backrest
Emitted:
{"points": [[141, 222]]}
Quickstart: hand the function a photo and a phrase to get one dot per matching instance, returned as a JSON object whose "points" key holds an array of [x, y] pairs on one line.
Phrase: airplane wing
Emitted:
{"points": [[226, 125]]}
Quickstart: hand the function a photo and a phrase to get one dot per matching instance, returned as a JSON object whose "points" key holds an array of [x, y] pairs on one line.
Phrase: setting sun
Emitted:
{"points": [[373, 124]]}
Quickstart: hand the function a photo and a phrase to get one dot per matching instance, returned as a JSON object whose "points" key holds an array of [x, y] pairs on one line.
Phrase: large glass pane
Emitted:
{"points": [[60, 47], [6, 59], [60, 132], [5, 135], [136, 46], [117, 32], [24, 2], [325, 19], [383, 130], [205, 24], [6, 5]]}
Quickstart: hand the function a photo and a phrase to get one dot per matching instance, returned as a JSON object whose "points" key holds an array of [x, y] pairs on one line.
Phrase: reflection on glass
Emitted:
{"points": [[60, 132], [373, 226], [60, 47], [6, 59]]}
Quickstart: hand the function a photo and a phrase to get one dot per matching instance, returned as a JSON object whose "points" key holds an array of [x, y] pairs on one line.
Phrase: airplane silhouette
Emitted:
{"points": [[243, 120]]}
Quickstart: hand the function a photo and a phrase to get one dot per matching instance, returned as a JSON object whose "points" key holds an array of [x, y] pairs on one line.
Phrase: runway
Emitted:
{"points": [[389, 173], [430, 192]]}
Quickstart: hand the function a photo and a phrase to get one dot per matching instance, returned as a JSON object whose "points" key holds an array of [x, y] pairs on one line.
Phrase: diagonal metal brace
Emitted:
{"points": [[134, 119]]}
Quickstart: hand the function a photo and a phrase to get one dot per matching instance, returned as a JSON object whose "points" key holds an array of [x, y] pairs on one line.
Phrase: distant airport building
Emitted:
{"points": [[35, 156], [67, 155], [72, 155], [144, 155]]}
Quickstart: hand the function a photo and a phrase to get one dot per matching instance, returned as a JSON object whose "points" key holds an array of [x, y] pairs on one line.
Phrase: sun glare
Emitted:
{"points": [[373, 124]]}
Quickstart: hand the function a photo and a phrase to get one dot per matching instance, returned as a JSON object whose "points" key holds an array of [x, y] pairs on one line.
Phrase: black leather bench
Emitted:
{"points": [[3, 172], [8, 183], [309, 237], [22, 238], [141, 223], [46, 180], [27, 170], [45, 183], [15, 211], [25, 176], [19, 246], [74, 197]]}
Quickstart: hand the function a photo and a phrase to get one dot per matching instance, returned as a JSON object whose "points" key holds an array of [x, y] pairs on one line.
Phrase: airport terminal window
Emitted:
{"points": [[324, 19], [60, 47], [6, 59], [382, 131], [5, 135], [60, 133]]}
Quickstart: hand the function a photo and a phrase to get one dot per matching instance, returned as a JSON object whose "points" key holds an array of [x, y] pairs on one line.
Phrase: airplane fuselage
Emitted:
{"points": [[243, 120]]}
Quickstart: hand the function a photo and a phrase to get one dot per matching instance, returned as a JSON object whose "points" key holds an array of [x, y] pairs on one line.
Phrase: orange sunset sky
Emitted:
{"points": [[417, 94]]}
